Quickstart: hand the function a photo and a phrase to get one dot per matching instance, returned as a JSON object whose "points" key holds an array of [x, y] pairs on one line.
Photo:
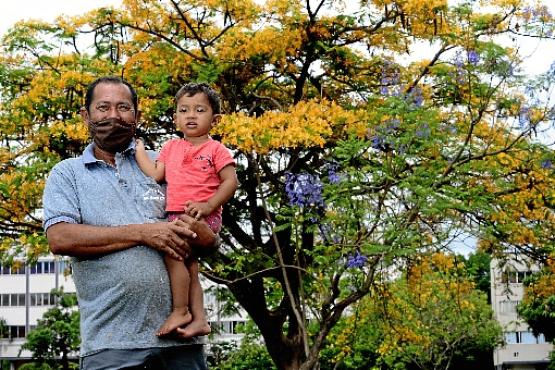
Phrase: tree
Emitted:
{"points": [[354, 156], [4, 330], [56, 335], [538, 305], [477, 265], [432, 317], [250, 355]]}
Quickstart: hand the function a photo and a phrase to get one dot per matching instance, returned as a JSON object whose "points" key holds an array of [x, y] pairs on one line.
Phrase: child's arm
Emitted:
{"points": [[149, 167], [228, 185]]}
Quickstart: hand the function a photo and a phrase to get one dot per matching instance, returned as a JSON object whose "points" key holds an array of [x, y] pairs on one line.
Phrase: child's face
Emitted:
{"points": [[194, 116]]}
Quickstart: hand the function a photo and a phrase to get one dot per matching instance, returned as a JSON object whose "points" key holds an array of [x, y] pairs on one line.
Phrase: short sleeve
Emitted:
{"points": [[165, 151], [222, 157], [60, 203]]}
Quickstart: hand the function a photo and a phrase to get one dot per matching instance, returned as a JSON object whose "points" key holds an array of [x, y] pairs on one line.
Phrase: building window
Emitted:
{"points": [[523, 337], [17, 331], [227, 327], [36, 299], [514, 277], [41, 267], [511, 337], [527, 337]]}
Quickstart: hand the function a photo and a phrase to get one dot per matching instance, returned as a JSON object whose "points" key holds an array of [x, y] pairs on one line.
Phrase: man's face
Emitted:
{"points": [[111, 100], [111, 117]]}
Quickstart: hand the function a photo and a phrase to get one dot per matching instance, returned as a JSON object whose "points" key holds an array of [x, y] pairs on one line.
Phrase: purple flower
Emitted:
{"points": [[524, 115], [415, 96], [460, 72], [392, 126], [551, 69], [377, 142], [333, 177], [304, 190], [389, 78], [547, 164], [424, 131], [328, 233], [356, 260], [473, 57]]}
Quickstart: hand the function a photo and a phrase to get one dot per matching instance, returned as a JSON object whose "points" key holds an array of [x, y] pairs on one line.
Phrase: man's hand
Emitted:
{"points": [[172, 238], [205, 241]]}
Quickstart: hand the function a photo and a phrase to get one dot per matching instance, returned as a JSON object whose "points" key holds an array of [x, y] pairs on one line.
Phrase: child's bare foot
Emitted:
{"points": [[177, 318], [196, 328]]}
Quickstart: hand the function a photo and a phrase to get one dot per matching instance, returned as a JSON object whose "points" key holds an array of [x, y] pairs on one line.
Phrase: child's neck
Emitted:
{"points": [[197, 140]]}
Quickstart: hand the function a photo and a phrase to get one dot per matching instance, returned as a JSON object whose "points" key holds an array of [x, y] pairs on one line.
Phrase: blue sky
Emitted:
{"points": [[13, 11], [542, 54]]}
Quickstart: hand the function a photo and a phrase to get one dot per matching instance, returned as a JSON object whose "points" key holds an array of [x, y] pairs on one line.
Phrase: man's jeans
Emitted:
{"points": [[189, 357]]}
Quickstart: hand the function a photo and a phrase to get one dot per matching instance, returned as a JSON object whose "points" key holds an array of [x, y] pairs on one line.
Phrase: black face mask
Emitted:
{"points": [[112, 135]]}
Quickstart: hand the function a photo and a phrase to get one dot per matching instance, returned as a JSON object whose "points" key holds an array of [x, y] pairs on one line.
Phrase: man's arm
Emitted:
{"points": [[80, 240]]}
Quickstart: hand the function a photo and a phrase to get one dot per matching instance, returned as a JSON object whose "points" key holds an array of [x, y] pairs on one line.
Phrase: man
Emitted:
{"points": [[104, 212]]}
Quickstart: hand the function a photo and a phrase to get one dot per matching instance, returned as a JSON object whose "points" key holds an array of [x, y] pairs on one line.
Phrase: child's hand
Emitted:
{"points": [[139, 144], [198, 210]]}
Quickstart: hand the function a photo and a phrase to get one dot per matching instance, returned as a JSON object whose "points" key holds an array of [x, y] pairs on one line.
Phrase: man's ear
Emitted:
{"points": [[84, 114], [138, 117]]}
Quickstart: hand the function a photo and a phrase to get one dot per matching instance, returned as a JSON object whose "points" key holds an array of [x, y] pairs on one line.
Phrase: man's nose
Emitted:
{"points": [[113, 112]]}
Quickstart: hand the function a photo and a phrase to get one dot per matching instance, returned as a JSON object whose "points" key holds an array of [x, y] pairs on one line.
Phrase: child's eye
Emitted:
{"points": [[183, 110], [200, 109]]}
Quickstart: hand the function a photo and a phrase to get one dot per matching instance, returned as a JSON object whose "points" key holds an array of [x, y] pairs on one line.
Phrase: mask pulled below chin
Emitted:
{"points": [[112, 135]]}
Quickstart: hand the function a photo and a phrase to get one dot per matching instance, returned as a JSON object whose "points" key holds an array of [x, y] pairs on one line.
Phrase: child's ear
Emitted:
{"points": [[216, 119]]}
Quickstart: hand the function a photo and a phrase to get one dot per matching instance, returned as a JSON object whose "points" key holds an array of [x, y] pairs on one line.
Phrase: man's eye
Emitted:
{"points": [[124, 108], [103, 108]]}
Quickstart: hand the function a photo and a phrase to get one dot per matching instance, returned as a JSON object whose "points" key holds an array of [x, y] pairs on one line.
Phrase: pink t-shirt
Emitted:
{"points": [[192, 171]]}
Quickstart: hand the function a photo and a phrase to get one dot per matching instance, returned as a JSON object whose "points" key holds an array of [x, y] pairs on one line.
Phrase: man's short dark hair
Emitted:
{"points": [[110, 80], [191, 89]]}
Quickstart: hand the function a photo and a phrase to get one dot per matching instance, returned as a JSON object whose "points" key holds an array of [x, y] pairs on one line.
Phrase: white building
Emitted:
{"points": [[25, 297], [522, 351]]}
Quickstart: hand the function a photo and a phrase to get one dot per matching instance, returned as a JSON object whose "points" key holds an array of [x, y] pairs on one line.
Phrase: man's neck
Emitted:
{"points": [[104, 156]]}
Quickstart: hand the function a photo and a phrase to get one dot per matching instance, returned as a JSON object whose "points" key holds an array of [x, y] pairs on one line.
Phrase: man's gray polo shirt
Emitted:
{"points": [[124, 297]]}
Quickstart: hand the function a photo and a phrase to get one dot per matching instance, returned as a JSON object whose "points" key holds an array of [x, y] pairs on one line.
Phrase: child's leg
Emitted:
{"points": [[199, 325], [180, 282]]}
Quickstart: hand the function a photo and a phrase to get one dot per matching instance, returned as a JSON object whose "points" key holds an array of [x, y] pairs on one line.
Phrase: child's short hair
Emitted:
{"points": [[191, 89]]}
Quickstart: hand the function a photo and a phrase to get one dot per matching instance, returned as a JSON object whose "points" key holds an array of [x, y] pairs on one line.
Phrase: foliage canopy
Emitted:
{"points": [[354, 154]]}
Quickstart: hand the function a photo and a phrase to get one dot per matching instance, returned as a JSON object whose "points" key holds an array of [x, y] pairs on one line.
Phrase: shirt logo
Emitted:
{"points": [[208, 163]]}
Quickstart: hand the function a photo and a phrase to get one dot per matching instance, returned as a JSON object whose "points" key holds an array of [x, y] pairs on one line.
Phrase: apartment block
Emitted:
{"points": [[522, 350]]}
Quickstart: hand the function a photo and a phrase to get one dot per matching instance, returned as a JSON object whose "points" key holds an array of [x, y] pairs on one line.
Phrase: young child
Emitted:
{"points": [[200, 174]]}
